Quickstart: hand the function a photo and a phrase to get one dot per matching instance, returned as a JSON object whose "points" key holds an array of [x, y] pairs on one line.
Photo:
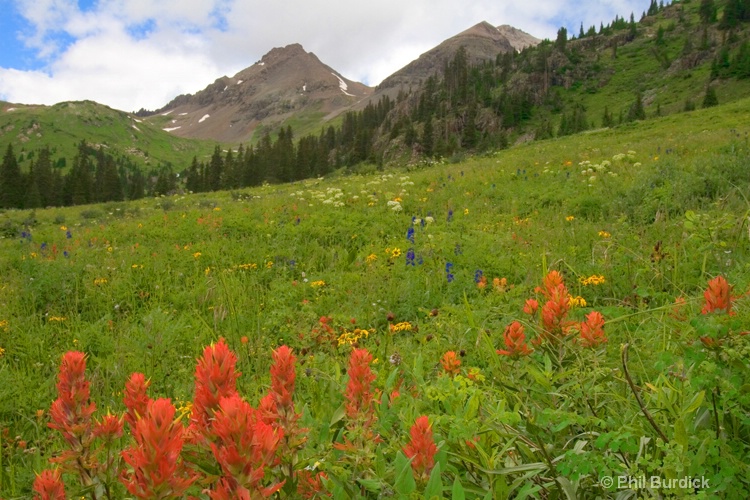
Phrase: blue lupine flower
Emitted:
{"points": [[68, 234], [448, 269], [450, 215], [410, 257], [43, 247], [458, 250], [410, 234], [66, 254]]}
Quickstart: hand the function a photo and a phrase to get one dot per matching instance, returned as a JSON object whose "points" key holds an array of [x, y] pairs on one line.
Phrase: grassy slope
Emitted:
{"points": [[64, 125], [174, 282]]}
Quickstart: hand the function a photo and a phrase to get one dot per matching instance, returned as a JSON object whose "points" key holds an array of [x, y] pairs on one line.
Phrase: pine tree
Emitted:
{"points": [[636, 111], [215, 170], [710, 98], [428, 139], [11, 182], [45, 177]]}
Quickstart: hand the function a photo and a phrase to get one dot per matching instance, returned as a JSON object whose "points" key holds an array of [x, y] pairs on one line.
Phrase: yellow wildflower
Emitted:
{"points": [[576, 301], [604, 234], [2, 351], [248, 266], [63, 228], [269, 264], [570, 218], [197, 254], [395, 253], [371, 258], [404, 326], [318, 284], [58, 319], [592, 280], [466, 211], [100, 281], [207, 271], [4, 325]]}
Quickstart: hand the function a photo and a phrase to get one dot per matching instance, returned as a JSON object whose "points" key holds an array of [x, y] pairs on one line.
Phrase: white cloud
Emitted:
{"points": [[140, 53]]}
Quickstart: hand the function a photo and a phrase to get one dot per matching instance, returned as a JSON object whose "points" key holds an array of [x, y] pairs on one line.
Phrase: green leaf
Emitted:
{"points": [[338, 415], [405, 483], [372, 485], [695, 403], [434, 488], [567, 487], [680, 433], [457, 492]]}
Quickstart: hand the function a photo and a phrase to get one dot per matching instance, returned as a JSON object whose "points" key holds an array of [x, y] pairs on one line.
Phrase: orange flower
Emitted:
{"points": [[718, 296], [135, 399], [421, 449], [358, 391], [309, 485], [49, 486], [215, 378], [450, 363], [555, 311], [110, 427], [531, 307], [71, 411], [551, 282], [244, 446], [515, 342], [156, 468], [592, 333]]}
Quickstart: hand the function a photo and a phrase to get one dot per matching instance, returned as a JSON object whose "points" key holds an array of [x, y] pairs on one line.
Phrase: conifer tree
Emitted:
{"points": [[11, 182]]}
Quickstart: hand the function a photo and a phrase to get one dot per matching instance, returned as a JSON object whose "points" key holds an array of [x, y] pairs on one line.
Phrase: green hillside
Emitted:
{"points": [[63, 126]]}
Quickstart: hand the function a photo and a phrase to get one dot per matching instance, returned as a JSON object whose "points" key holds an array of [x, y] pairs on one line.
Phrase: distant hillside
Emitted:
{"points": [[287, 82], [63, 126]]}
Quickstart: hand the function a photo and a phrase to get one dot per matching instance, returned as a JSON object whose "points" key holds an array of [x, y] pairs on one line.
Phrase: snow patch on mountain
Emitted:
{"points": [[343, 86]]}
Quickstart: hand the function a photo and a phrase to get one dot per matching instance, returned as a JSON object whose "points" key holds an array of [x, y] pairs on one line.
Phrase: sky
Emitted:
{"points": [[133, 54]]}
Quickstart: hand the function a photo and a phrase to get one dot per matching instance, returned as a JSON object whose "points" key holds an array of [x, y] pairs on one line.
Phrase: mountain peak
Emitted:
{"points": [[286, 81]]}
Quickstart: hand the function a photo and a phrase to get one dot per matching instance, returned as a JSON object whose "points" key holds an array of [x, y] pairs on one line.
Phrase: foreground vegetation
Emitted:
{"points": [[415, 290]]}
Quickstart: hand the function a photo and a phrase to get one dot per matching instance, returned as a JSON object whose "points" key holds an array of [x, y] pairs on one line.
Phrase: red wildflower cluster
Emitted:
{"points": [[359, 393], [718, 296], [421, 449], [515, 342], [156, 468], [451, 363], [310, 485], [531, 307], [244, 446], [71, 415], [592, 332], [324, 332], [71, 411], [49, 486], [215, 378]]}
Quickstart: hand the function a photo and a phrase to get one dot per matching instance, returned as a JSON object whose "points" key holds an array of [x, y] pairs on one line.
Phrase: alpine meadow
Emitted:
{"points": [[522, 276]]}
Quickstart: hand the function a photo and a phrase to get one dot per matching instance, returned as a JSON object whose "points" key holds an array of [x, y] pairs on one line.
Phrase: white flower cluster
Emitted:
{"points": [[395, 206]]}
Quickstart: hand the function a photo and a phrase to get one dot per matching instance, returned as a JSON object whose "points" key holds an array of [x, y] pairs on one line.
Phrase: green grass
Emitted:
{"points": [[144, 286]]}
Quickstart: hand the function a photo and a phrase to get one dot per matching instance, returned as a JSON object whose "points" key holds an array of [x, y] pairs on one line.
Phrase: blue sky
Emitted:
{"points": [[130, 54]]}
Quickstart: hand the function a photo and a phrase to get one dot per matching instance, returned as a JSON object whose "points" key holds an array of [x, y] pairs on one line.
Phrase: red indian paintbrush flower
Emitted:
{"points": [[450, 363], [515, 341], [244, 446], [283, 377], [421, 449], [551, 281], [358, 391], [156, 470], [109, 427], [136, 400], [531, 307], [215, 378], [49, 486], [718, 296], [71, 411], [592, 333], [555, 312]]}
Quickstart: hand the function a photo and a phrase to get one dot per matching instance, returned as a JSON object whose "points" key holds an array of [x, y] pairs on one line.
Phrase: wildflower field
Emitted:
{"points": [[525, 324]]}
